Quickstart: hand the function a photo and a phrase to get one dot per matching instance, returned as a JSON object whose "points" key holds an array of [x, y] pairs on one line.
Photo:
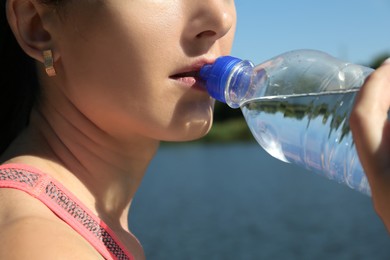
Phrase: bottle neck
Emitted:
{"points": [[238, 84], [228, 79]]}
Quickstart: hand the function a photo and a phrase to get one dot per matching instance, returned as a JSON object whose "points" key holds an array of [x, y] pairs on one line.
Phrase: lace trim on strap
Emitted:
{"points": [[65, 206]]}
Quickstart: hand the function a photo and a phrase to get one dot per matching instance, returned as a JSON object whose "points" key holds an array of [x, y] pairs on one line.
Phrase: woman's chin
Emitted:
{"points": [[191, 132]]}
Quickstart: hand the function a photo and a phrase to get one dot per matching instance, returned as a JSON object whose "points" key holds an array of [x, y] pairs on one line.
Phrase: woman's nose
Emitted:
{"points": [[210, 20]]}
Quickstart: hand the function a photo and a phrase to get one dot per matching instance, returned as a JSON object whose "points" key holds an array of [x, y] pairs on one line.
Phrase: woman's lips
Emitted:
{"points": [[190, 79], [189, 76], [187, 80]]}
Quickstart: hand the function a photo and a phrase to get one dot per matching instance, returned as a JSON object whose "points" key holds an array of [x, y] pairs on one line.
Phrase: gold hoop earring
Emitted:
{"points": [[48, 61]]}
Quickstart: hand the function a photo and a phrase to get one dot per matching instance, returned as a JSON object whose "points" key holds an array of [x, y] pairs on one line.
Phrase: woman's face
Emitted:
{"points": [[130, 65]]}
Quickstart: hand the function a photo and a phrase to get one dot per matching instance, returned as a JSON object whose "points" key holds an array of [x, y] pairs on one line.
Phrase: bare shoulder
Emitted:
{"points": [[29, 230]]}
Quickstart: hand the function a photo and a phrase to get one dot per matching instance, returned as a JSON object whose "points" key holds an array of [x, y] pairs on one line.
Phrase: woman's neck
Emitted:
{"points": [[104, 173]]}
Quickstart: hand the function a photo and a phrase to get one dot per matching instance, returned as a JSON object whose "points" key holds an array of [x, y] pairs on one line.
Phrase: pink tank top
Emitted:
{"points": [[66, 206]]}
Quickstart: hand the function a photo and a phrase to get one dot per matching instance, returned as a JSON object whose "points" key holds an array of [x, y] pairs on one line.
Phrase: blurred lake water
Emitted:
{"points": [[236, 202]]}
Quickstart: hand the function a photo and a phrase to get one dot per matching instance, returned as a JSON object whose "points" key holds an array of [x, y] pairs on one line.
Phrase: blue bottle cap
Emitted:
{"points": [[216, 76]]}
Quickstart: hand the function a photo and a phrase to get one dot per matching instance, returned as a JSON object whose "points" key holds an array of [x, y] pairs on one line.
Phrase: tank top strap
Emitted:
{"points": [[66, 206]]}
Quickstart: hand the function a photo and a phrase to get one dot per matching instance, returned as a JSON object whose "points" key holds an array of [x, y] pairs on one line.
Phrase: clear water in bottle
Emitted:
{"points": [[311, 130], [297, 106]]}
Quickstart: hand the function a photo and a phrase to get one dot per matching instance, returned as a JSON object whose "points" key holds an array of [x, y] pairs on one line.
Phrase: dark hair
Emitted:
{"points": [[19, 86]]}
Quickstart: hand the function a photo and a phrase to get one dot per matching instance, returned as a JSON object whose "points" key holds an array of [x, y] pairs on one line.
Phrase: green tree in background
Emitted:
{"points": [[377, 61]]}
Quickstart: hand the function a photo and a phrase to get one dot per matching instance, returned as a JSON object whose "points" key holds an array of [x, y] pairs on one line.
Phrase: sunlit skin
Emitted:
{"points": [[126, 79], [122, 55], [371, 131]]}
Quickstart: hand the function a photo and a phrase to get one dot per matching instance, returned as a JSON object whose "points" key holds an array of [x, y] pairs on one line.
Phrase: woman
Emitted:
{"points": [[112, 79]]}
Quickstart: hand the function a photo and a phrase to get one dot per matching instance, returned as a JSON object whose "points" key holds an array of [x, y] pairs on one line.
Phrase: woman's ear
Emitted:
{"points": [[26, 19]]}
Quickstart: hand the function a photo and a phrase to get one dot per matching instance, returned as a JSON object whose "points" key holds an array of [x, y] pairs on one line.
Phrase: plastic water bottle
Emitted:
{"points": [[297, 106]]}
